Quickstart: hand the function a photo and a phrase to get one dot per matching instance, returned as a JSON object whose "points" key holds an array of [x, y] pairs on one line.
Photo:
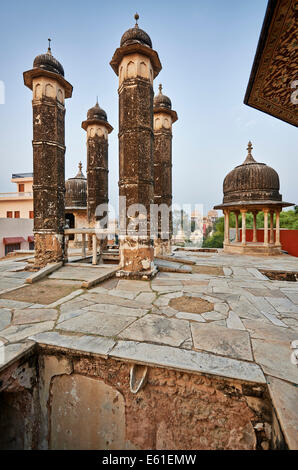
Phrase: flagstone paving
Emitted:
{"points": [[247, 335]]}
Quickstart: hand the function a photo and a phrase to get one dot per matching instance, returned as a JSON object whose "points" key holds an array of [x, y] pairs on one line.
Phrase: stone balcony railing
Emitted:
{"points": [[19, 195]]}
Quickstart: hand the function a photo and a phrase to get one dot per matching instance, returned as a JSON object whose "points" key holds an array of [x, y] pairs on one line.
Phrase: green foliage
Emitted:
{"points": [[289, 219], [215, 241]]}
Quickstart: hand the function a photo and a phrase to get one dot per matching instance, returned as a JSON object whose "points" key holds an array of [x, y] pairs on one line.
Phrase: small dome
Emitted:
{"points": [[48, 62], [135, 35], [97, 113], [162, 101], [76, 191], [251, 181]]}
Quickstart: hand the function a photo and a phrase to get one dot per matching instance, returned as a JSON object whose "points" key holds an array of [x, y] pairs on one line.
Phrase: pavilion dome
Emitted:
{"points": [[161, 100], [135, 36], [251, 181], [96, 112], [48, 62], [76, 191]]}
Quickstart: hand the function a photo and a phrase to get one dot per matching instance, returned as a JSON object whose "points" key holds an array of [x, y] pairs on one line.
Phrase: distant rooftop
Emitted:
{"points": [[22, 175]]}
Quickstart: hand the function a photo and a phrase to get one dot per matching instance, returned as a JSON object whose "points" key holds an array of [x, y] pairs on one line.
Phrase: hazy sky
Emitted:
{"points": [[206, 50]]}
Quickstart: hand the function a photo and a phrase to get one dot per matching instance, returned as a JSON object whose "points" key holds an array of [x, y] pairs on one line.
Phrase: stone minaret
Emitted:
{"points": [[136, 64], [98, 129], [164, 117], [49, 87]]}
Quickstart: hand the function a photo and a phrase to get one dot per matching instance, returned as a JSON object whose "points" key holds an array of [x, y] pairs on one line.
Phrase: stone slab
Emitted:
{"points": [[191, 361], [87, 344], [275, 359], [5, 318], [284, 397], [158, 329], [283, 305], [117, 309], [190, 316], [19, 332], [133, 286], [12, 352], [50, 268], [66, 298], [267, 331], [221, 340], [234, 322], [97, 323], [274, 320], [33, 315]]}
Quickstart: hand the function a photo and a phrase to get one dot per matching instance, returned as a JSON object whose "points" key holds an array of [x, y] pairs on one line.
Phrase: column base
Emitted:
{"points": [[137, 275], [49, 248]]}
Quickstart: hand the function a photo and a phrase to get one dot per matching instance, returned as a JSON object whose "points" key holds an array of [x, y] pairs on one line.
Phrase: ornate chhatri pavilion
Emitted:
{"points": [[252, 187]]}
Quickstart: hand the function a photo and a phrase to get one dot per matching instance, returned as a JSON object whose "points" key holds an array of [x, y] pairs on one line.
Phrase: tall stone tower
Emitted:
{"points": [[98, 129], [136, 64], [49, 87], [164, 117]]}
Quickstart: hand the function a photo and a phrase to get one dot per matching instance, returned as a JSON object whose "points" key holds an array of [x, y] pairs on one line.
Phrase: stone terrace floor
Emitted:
{"points": [[245, 333]]}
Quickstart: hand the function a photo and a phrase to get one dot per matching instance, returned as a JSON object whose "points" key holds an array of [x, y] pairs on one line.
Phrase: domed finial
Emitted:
{"points": [[136, 18], [96, 104], [160, 88], [49, 48], [80, 173], [249, 158]]}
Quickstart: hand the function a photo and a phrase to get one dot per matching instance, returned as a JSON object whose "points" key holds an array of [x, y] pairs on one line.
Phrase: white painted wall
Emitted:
{"points": [[15, 228]]}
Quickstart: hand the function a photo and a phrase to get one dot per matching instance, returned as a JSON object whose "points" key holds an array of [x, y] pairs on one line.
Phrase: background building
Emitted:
{"points": [[19, 204]]}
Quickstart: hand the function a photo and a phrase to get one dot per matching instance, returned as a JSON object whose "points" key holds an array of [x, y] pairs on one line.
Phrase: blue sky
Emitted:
{"points": [[206, 50]]}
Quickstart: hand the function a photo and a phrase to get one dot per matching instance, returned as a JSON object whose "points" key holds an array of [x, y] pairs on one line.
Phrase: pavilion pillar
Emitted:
{"points": [[237, 226], [271, 227], [265, 226], [227, 226], [243, 214], [254, 237], [277, 228]]}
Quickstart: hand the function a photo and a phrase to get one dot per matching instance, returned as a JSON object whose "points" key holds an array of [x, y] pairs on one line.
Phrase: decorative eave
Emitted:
{"points": [[275, 63], [89, 122], [35, 73], [253, 204], [131, 49], [171, 112]]}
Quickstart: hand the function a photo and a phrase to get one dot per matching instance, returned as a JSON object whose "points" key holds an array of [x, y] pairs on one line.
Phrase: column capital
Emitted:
{"points": [[243, 211]]}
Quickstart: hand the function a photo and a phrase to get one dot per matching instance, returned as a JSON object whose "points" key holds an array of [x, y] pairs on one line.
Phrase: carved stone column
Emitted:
{"points": [[164, 117], [136, 64], [97, 129], [46, 80]]}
